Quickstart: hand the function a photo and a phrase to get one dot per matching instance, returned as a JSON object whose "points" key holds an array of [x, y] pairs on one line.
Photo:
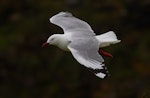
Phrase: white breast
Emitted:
{"points": [[62, 43]]}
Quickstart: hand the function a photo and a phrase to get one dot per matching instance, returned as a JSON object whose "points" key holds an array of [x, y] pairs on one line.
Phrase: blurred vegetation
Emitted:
{"points": [[29, 71]]}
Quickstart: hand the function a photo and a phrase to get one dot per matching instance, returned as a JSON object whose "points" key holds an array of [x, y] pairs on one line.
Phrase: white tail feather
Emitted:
{"points": [[107, 38]]}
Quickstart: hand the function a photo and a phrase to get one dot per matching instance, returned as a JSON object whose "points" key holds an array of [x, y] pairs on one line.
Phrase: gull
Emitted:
{"points": [[82, 42]]}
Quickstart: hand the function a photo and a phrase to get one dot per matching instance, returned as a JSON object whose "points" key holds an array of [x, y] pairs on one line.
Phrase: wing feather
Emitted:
{"points": [[89, 58], [68, 22]]}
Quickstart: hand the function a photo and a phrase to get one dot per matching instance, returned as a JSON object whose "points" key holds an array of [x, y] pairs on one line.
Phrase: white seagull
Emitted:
{"points": [[81, 41]]}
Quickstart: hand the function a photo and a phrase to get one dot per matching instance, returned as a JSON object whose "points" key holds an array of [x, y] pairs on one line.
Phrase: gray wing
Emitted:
{"points": [[86, 53], [69, 23]]}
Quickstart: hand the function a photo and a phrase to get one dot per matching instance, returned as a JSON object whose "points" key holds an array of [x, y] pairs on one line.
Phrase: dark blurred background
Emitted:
{"points": [[29, 71]]}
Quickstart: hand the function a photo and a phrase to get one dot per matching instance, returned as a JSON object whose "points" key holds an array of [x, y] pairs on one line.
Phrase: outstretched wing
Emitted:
{"points": [[69, 23], [87, 55]]}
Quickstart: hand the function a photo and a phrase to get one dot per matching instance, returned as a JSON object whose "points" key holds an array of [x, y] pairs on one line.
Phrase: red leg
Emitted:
{"points": [[103, 53]]}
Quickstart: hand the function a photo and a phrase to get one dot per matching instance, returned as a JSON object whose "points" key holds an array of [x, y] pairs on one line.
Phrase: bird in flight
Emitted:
{"points": [[82, 42]]}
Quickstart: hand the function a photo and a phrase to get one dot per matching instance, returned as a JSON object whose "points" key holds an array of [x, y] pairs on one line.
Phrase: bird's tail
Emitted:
{"points": [[107, 38]]}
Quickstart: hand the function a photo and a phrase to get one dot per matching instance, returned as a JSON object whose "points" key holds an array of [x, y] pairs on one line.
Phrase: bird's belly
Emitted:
{"points": [[64, 45], [65, 48]]}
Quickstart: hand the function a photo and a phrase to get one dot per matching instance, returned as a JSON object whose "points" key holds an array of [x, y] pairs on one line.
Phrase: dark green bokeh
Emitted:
{"points": [[29, 71]]}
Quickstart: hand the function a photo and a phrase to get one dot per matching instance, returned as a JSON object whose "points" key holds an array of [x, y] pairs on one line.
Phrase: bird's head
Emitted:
{"points": [[52, 40]]}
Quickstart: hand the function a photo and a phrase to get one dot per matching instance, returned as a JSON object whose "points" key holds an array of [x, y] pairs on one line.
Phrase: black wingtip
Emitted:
{"points": [[101, 73]]}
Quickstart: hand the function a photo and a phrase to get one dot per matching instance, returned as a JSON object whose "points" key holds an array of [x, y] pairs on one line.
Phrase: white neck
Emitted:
{"points": [[62, 42]]}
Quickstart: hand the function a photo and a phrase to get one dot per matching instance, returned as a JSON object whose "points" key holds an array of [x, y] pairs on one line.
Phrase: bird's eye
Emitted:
{"points": [[52, 39]]}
